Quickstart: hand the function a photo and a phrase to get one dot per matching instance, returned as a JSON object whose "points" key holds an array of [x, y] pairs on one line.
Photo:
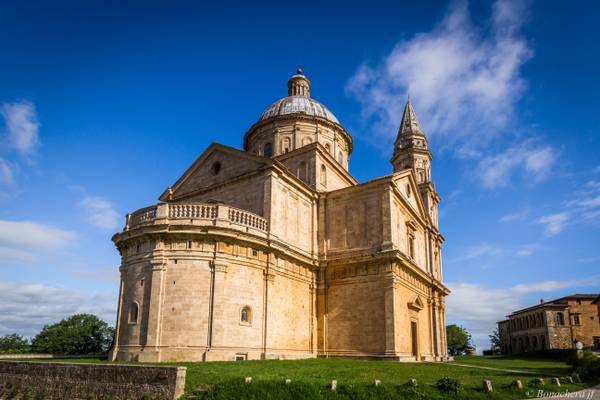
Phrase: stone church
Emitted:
{"points": [[277, 252]]}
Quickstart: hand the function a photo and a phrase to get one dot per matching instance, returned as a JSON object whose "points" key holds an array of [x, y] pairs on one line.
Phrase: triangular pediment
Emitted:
{"points": [[218, 164], [409, 190], [416, 303]]}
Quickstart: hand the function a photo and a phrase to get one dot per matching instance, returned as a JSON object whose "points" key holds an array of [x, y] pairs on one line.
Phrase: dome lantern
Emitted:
{"points": [[299, 85]]}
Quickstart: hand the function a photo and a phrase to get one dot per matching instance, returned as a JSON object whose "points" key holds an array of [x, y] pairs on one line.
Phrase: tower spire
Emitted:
{"points": [[411, 149], [409, 125]]}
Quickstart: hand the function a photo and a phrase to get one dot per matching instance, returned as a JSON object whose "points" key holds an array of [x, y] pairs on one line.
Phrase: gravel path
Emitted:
{"points": [[515, 371]]}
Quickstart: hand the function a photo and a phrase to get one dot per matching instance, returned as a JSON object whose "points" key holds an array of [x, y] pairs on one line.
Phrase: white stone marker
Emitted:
{"points": [[377, 382], [288, 381], [413, 382], [556, 381], [518, 384], [248, 380], [333, 384], [487, 386]]}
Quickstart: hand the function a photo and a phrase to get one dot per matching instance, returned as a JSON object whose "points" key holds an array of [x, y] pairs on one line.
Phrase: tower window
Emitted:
{"points": [[133, 313], [411, 246], [340, 157], [189, 244], [268, 150], [246, 315], [576, 320], [323, 177]]}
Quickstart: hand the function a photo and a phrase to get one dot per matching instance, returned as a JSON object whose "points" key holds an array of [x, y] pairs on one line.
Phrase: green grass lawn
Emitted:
{"points": [[310, 378]]}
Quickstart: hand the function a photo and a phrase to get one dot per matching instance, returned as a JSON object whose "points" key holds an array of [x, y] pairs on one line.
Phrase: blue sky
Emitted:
{"points": [[104, 104]]}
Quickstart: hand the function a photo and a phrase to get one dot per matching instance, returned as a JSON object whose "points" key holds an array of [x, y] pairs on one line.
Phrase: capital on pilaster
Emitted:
{"points": [[219, 266]]}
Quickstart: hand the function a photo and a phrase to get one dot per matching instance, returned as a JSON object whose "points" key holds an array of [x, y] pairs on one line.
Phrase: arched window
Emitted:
{"points": [[286, 145], [560, 318], [268, 149], [543, 342], [323, 177], [133, 313], [246, 315], [340, 157], [328, 148]]}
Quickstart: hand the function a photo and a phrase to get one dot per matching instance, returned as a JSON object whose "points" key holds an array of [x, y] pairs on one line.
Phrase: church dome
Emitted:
{"points": [[296, 121], [298, 104], [298, 101]]}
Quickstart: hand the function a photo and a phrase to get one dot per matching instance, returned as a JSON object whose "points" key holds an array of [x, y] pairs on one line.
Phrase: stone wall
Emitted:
{"points": [[84, 381]]}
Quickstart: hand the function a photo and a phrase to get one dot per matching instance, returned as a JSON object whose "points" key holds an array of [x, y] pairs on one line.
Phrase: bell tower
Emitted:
{"points": [[411, 149]]}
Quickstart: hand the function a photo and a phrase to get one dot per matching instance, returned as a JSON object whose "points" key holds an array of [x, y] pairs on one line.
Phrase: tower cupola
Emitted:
{"points": [[299, 85]]}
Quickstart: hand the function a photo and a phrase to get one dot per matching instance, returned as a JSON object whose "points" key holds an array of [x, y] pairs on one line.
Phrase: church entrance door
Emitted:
{"points": [[413, 336]]}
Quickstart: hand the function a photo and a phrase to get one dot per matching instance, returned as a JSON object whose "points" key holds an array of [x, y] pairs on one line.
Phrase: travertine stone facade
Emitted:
{"points": [[556, 324], [278, 252]]}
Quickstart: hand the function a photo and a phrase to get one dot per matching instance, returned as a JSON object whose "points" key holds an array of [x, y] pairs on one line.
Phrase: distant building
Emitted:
{"points": [[556, 324], [278, 252]]}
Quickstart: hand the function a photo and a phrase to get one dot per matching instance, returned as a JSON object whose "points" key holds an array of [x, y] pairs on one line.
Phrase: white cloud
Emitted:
{"points": [[587, 260], [26, 308], [516, 216], [12, 254], [526, 250], [537, 161], [479, 307], [101, 212], [464, 82], [33, 235], [22, 126], [593, 185], [553, 223], [493, 250], [6, 173], [589, 202]]}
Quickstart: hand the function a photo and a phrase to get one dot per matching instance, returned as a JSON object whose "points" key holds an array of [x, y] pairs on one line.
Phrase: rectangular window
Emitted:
{"points": [[576, 320]]}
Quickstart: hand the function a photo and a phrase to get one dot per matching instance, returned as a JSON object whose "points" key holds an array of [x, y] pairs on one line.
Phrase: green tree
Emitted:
{"points": [[13, 343], [495, 341], [458, 339], [78, 334]]}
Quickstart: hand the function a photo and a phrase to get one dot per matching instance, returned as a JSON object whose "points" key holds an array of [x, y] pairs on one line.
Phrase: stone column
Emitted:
{"points": [[435, 324], [321, 299], [442, 330], [389, 287], [269, 277], [386, 219], [152, 350], [218, 275]]}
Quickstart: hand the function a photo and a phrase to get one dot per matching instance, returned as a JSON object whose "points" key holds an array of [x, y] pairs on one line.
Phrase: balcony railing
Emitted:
{"points": [[211, 213]]}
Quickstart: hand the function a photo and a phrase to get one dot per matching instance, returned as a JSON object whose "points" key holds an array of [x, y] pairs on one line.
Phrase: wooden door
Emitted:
{"points": [[414, 337]]}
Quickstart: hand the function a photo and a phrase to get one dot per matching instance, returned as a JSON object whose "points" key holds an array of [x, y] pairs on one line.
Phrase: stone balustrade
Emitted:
{"points": [[204, 211]]}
